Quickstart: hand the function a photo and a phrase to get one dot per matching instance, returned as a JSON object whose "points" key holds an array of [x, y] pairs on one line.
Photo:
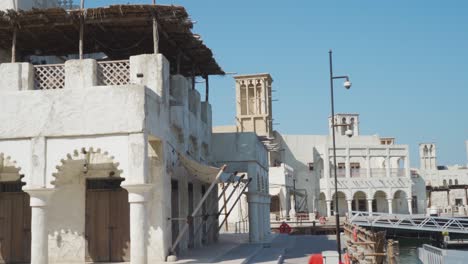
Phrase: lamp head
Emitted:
{"points": [[349, 133], [347, 84]]}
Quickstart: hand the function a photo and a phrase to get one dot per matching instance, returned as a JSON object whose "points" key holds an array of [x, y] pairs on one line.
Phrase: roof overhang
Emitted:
{"points": [[119, 31]]}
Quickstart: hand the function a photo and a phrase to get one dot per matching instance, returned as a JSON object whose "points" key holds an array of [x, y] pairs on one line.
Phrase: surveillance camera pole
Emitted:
{"points": [[336, 211]]}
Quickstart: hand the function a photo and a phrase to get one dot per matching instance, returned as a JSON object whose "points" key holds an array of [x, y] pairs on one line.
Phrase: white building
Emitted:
{"points": [[100, 161], [446, 185], [373, 173], [243, 149]]}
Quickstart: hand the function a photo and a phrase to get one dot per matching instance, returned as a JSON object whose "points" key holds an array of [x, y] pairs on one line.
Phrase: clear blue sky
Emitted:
{"points": [[408, 62]]}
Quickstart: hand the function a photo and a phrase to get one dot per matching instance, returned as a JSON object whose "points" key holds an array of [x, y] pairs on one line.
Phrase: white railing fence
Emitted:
{"points": [[431, 255], [410, 222], [51, 76], [113, 72]]}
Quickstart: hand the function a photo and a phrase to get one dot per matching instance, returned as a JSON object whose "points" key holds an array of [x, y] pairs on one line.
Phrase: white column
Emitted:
{"points": [[350, 206], [329, 208], [390, 206], [407, 166], [410, 206], [254, 226], [347, 164], [39, 234], [387, 163], [369, 206], [368, 166], [137, 197]]}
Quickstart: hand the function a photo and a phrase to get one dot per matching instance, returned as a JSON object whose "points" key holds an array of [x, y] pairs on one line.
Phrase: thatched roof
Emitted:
{"points": [[119, 31]]}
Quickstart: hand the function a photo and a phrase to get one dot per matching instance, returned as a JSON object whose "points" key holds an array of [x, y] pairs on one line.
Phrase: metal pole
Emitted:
{"points": [[82, 4], [337, 216]]}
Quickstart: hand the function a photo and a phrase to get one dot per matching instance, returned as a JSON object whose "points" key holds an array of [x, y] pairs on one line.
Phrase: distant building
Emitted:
{"points": [[373, 172], [447, 186]]}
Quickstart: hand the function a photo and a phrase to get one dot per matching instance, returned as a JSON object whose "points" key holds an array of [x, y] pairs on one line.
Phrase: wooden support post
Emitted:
{"points": [[225, 206], [207, 88], [390, 252], [13, 45], [155, 32], [81, 30]]}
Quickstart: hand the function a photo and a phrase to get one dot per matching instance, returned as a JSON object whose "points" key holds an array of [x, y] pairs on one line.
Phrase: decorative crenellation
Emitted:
{"points": [[88, 163]]}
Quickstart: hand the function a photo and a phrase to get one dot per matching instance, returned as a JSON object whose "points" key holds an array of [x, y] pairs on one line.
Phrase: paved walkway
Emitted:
{"points": [[300, 248], [235, 249]]}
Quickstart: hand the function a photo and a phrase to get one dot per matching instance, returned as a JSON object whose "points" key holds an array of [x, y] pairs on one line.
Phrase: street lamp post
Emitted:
{"points": [[347, 85]]}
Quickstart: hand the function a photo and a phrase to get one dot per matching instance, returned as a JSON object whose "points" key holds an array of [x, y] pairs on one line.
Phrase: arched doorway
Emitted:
{"points": [[15, 215], [380, 203], [342, 205], [359, 202], [400, 202], [275, 205], [97, 220]]}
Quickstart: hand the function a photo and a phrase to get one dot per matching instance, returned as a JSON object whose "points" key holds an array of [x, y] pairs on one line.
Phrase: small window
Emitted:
{"points": [[450, 182], [458, 202], [456, 182], [311, 166], [445, 182]]}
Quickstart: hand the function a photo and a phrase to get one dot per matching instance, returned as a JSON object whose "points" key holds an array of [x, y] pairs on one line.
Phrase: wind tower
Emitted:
{"points": [[253, 107], [428, 156]]}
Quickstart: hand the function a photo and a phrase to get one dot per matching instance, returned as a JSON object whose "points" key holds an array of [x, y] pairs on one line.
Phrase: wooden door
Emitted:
{"points": [[15, 227], [107, 225]]}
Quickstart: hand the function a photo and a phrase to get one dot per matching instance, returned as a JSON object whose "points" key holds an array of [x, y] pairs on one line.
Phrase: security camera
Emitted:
{"points": [[347, 84], [349, 133]]}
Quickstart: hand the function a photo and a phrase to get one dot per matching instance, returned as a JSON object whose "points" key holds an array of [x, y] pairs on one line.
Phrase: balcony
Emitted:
{"points": [[373, 173], [52, 76]]}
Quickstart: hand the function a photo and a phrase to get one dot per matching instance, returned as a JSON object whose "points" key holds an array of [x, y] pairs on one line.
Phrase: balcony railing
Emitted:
{"points": [[51, 76], [374, 172], [113, 72]]}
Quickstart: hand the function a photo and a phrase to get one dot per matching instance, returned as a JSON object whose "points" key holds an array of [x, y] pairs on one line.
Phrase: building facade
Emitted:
{"points": [[447, 186], [94, 154], [373, 173]]}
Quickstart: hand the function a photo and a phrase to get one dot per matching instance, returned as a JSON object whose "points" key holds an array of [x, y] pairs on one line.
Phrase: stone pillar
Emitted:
{"points": [[137, 197], [369, 206], [407, 166], [347, 164], [390, 206], [16, 77], [387, 163], [254, 230], [39, 232], [368, 165], [350, 206], [80, 74], [410, 206], [329, 208]]}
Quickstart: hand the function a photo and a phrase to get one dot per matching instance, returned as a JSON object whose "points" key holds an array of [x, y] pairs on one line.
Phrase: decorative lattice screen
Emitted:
{"points": [[114, 72], [50, 76]]}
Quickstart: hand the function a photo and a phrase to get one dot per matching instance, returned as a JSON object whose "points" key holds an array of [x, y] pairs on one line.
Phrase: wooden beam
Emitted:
{"points": [[207, 88], [13, 45]]}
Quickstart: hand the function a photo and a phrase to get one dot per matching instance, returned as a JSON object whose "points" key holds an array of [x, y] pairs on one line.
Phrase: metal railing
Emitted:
{"points": [[113, 72], [431, 255], [410, 222], [51, 76]]}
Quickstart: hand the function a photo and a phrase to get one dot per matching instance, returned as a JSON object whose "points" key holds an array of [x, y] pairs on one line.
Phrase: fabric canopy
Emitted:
{"points": [[204, 172]]}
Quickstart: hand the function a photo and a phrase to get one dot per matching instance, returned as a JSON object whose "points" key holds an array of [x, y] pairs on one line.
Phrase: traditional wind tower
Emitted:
{"points": [[253, 96], [428, 156]]}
